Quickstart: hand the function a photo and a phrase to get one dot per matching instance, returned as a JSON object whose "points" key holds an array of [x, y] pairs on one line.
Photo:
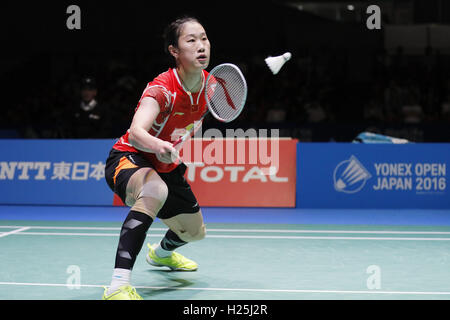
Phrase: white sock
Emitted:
{"points": [[120, 277], [162, 253]]}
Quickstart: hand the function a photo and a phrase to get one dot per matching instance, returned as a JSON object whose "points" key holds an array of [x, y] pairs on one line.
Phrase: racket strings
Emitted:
{"points": [[226, 92]]}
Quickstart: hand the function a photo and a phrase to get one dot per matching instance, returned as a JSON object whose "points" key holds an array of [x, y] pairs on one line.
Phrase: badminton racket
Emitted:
{"points": [[225, 95]]}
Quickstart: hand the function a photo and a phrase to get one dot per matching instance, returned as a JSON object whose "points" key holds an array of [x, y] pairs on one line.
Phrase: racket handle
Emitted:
{"points": [[178, 141], [182, 138], [189, 132]]}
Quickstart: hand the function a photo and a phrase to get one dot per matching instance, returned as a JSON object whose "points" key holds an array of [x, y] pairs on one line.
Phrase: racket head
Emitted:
{"points": [[225, 92]]}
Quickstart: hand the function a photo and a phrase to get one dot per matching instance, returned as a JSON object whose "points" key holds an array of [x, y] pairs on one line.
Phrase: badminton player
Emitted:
{"points": [[142, 167]]}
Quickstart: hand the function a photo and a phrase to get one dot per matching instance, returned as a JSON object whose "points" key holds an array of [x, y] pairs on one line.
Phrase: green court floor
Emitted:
{"points": [[74, 260]]}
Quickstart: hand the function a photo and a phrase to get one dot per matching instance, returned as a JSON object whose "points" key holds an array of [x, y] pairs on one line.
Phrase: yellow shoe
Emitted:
{"points": [[175, 262], [126, 292]]}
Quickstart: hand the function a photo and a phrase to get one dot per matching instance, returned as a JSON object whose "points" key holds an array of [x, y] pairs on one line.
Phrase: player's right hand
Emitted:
{"points": [[166, 152]]}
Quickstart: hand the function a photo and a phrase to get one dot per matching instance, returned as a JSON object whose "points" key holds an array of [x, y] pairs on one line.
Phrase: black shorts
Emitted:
{"points": [[180, 199]]}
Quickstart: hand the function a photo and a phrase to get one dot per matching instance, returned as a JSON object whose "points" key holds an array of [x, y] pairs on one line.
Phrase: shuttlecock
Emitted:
{"points": [[275, 63]]}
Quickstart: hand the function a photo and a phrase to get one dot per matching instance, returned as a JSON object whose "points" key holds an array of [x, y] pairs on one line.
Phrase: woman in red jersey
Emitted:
{"points": [[141, 169]]}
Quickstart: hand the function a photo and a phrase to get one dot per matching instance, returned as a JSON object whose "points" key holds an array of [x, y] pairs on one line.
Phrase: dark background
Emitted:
{"points": [[341, 80]]}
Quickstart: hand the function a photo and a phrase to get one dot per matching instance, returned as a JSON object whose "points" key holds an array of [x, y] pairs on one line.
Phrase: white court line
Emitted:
{"points": [[241, 236], [251, 230], [237, 289], [4, 234], [23, 228], [81, 234], [326, 238], [329, 231]]}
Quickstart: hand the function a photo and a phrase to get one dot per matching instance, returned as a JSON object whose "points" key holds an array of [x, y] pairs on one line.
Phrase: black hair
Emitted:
{"points": [[173, 30]]}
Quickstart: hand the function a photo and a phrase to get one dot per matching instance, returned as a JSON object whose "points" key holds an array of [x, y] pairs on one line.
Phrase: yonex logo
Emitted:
{"points": [[350, 176]]}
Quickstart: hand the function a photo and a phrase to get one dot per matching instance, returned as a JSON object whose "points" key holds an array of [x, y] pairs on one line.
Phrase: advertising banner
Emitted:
{"points": [[54, 172], [346, 175], [257, 172], [240, 172]]}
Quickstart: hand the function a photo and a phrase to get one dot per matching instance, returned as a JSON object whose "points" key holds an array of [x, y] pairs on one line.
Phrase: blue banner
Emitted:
{"points": [[54, 172], [348, 175], [329, 175]]}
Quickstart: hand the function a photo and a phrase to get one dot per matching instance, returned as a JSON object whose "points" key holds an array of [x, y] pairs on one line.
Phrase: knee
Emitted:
{"points": [[151, 198], [155, 189], [146, 183]]}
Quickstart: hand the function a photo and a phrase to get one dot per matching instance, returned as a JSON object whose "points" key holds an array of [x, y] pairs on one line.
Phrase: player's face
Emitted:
{"points": [[193, 50]]}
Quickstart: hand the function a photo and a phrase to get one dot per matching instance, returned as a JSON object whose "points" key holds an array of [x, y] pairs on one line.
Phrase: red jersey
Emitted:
{"points": [[178, 109]]}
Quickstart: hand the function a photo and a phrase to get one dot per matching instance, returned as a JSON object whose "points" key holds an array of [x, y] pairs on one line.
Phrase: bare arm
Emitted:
{"points": [[141, 124]]}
